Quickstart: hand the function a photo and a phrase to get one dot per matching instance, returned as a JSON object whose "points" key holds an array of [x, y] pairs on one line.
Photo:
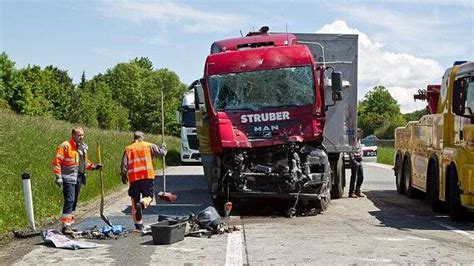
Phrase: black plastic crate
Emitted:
{"points": [[168, 232]]}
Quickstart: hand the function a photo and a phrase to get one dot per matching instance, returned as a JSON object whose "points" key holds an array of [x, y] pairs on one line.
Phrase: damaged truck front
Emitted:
{"points": [[261, 122]]}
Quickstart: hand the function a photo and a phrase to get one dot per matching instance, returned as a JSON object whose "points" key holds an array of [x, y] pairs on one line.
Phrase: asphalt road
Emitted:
{"points": [[383, 228]]}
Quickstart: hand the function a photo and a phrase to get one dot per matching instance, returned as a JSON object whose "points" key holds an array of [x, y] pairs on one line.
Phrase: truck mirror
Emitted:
{"points": [[336, 81], [178, 117], [198, 96], [459, 97], [336, 96]]}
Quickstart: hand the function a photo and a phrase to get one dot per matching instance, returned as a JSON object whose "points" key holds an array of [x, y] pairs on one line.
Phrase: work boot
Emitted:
{"points": [[360, 194], [138, 214], [352, 195]]}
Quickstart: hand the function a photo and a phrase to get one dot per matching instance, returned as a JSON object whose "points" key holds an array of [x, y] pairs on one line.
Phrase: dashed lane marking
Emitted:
{"points": [[455, 230]]}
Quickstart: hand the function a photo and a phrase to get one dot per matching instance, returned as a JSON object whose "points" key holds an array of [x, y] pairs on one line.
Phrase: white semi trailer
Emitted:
{"points": [[340, 132], [185, 116]]}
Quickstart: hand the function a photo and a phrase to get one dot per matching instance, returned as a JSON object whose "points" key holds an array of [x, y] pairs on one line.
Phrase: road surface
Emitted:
{"points": [[384, 228]]}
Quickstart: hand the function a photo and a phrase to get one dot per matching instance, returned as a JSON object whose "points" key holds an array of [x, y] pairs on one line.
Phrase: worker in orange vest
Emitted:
{"points": [[69, 168], [137, 169]]}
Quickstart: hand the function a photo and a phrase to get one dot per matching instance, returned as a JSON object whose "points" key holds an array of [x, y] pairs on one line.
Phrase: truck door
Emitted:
{"points": [[202, 121]]}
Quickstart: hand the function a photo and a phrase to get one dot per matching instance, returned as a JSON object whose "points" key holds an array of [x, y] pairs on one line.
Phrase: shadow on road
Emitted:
{"points": [[148, 243], [398, 211], [193, 196]]}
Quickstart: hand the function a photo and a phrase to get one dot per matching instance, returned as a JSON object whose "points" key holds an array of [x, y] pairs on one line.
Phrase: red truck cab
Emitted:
{"points": [[264, 119]]}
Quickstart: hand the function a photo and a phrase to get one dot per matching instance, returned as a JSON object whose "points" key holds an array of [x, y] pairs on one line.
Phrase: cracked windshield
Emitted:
{"points": [[263, 89]]}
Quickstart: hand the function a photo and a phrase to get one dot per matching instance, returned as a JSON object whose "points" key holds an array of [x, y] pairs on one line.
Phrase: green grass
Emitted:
{"points": [[28, 143], [385, 155]]}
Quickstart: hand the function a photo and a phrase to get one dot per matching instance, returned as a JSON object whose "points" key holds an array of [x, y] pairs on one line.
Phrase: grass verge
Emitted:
{"points": [[27, 145], [385, 155]]}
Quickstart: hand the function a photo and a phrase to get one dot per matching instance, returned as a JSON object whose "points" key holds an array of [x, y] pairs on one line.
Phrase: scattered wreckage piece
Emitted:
{"points": [[172, 229], [55, 237]]}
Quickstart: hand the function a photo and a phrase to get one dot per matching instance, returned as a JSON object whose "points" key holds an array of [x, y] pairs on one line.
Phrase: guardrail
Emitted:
{"points": [[389, 143]]}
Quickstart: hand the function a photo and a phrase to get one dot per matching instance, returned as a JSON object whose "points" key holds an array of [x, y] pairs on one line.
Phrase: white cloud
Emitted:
{"points": [[167, 12], [402, 74], [427, 32]]}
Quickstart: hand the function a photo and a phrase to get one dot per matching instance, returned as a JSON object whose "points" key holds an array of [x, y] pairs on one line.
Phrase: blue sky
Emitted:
{"points": [[403, 45]]}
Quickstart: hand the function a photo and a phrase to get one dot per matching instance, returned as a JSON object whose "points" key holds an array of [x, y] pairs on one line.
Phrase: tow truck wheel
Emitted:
{"points": [[432, 193], [409, 190], [456, 210], [399, 176]]}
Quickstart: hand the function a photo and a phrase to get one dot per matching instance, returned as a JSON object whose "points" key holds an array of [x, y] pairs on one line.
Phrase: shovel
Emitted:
{"points": [[166, 196], [101, 184]]}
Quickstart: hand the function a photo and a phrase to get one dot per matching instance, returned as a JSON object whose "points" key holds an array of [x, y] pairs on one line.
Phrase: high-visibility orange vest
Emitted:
{"points": [[66, 162], [140, 164]]}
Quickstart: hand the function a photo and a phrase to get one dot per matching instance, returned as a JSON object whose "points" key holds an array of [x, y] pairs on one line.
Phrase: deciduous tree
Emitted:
{"points": [[379, 113]]}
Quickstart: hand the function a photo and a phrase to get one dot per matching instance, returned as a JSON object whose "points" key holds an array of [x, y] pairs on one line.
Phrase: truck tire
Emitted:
{"points": [[399, 181], [323, 202], [337, 189], [432, 190], [456, 211], [409, 190]]}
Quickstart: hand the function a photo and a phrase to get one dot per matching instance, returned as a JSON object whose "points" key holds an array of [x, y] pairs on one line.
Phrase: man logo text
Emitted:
{"points": [[265, 128]]}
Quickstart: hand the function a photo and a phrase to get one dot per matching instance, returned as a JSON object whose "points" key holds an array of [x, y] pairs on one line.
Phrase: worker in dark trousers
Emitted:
{"points": [[69, 168], [137, 169], [357, 173]]}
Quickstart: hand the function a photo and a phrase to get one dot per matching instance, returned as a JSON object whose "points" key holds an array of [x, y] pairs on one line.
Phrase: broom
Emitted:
{"points": [[101, 184], [166, 196]]}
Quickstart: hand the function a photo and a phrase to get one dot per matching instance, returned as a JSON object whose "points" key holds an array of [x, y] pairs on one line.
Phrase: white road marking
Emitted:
{"points": [[418, 238], [395, 239], [455, 230], [375, 260], [380, 165], [182, 249], [390, 239], [233, 254]]}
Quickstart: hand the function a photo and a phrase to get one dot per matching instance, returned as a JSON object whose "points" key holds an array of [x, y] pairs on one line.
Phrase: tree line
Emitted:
{"points": [[125, 97], [379, 114], [128, 97]]}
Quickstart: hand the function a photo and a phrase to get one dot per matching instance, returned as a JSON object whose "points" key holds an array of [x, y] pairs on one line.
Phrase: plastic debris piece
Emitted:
{"points": [[55, 237]]}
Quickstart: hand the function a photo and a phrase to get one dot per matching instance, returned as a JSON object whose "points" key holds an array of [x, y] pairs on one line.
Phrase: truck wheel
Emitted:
{"points": [[399, 181], [323, 203], [337, 189], [456, 211], [409, 190], [432, 191]]}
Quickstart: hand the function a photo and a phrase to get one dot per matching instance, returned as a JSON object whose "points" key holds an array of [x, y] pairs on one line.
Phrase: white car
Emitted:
{"points": [[369, 151]]}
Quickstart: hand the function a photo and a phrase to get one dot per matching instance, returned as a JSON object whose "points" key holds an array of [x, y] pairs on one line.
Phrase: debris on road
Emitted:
{"points": [[59, 240], [170, 228], [106, 232]]}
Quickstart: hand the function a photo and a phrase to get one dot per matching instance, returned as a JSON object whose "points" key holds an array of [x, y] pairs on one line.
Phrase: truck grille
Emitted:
{"points": [[193, 142]]}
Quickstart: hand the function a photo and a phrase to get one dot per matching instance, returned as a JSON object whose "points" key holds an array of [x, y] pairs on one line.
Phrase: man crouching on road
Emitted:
{"points": [[137, 168], [69, 168]]}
